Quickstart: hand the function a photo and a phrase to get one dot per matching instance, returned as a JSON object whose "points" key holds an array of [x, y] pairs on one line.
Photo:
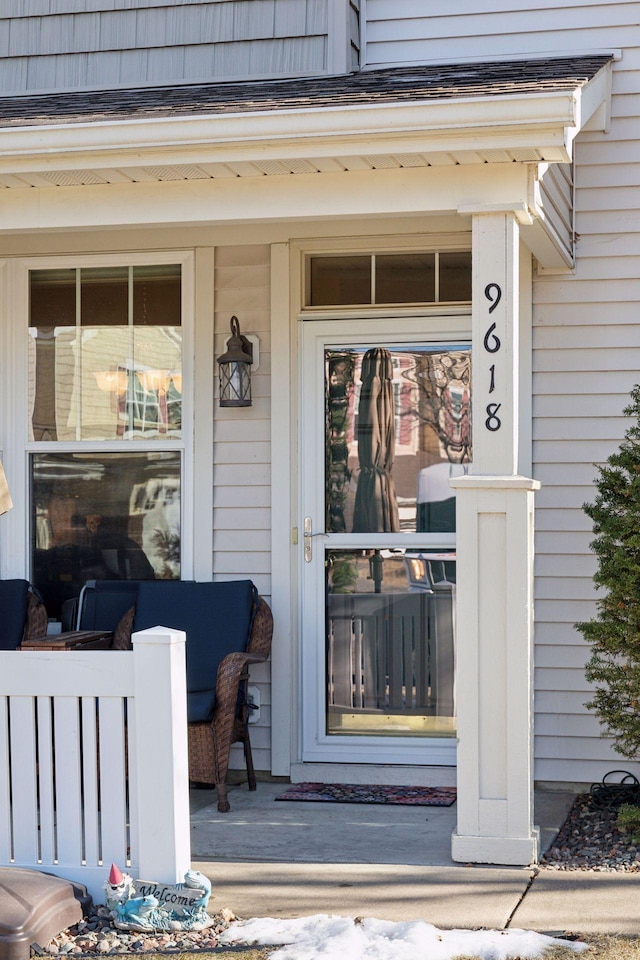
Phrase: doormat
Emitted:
{"points": [[370, 793]]}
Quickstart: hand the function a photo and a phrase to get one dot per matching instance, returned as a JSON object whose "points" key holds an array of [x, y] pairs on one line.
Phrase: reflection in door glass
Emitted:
{"points": [[398, 427], [390, 642]]}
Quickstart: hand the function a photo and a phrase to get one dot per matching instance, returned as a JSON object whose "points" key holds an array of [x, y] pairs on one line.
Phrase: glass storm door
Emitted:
{"points": [[386, 423]]}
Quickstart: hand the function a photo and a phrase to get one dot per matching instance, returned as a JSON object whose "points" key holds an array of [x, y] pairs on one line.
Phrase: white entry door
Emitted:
{"points": [[386, 421]]}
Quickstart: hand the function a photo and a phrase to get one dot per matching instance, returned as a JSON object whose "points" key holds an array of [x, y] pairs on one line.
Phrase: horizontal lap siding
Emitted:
{"points": [[556, 201], [242, 457], [408, 31], [106, 43], [586, 360]]}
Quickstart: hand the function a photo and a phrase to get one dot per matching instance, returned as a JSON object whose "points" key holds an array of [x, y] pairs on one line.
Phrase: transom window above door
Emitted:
{"points": [[377, 279], [105, 353]]}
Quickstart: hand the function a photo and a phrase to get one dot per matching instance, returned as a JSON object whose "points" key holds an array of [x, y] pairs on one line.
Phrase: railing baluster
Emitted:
{"points": [[46, 791], [24, 789]]}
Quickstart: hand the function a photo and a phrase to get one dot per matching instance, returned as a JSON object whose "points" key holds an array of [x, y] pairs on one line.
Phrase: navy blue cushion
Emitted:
{"points": [[216, 618], [13, 612], [105, 602], [200, 704]]}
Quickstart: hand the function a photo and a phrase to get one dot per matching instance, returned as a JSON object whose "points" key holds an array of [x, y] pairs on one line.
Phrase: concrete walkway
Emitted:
{"points": [[268, 858]]}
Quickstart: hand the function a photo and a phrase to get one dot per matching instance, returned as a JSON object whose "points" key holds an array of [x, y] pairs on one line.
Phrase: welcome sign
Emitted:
{"points": [[178, 897], [149, 905]]}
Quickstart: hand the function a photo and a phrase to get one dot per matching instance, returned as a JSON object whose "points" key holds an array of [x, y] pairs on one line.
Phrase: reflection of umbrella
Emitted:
{"points": [[376, 507]]}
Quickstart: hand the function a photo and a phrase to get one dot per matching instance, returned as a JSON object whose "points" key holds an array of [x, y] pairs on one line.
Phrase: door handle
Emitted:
{"points": [[308, 536], [308, 552]]}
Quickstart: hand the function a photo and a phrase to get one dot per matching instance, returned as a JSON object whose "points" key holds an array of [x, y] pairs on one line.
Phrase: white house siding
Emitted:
{"points": [[555, 199], [242, 456], [409, 31], [586, 359], [63, 44], [586, 328]]}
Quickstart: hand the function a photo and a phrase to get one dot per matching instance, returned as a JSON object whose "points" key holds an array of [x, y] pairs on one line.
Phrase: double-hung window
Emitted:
{"points": [[108, 415]]}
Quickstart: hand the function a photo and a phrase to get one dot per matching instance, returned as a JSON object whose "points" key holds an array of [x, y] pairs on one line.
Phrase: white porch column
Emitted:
{"points": [[494, 659], [160, 757]]}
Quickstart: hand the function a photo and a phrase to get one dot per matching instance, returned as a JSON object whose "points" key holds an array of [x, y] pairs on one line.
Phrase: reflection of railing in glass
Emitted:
{"points": [[391, 653], [396, 655]]}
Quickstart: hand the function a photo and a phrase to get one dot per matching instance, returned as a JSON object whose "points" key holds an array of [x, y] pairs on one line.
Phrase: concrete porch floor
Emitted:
{"points": [[268, 858]]}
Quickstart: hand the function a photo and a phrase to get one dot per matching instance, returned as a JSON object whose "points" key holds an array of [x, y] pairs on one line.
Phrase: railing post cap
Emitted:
{"points": [[159, 636]]}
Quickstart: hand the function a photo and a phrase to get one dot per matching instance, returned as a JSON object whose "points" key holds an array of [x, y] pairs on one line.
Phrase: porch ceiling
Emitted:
{"points": [[50, 175]]}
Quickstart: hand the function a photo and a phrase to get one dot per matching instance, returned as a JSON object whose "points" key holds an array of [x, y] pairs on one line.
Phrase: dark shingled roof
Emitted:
{"points": [[399, 84]]}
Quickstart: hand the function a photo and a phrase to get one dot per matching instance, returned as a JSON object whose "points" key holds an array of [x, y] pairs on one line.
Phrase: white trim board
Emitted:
{"points": [[374, 773]]}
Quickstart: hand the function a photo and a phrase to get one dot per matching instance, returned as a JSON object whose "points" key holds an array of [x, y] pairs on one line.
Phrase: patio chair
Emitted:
{"points": [[102, 604], [228, 627], [22, 612]]}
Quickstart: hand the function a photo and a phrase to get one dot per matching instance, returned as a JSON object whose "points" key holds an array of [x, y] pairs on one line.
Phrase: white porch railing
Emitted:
{"points": [[93, 761]]}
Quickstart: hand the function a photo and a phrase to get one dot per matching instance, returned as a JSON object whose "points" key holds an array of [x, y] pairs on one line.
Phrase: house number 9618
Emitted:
{"points": [[492, 344]]}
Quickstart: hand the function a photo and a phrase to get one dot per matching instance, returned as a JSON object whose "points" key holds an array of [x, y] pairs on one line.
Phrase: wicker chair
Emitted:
{"points": [[36, 621], [210, 743], [210, 740], [23, 614]]}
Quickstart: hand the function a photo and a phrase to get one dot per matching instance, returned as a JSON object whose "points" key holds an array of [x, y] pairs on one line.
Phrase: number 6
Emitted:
{"points": [[491, 343]]}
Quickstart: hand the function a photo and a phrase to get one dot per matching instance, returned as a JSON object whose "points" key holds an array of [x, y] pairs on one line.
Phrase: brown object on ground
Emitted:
{"points": [[210, 743], [34, 907], [71, 640]]}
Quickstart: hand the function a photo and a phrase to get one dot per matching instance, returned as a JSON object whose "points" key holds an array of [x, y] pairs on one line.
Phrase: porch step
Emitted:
{"points": [[34, 907]]}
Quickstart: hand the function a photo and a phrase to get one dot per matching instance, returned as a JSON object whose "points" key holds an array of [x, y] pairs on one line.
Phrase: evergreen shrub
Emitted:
{"points": [[614, 633]]}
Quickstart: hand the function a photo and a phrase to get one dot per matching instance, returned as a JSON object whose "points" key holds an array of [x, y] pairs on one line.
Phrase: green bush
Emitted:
{"points": [[629, 821], [614, 634]]}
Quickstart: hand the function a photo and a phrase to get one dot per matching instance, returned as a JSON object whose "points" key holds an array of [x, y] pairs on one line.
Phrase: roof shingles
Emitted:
{"points": [[399, 84]]}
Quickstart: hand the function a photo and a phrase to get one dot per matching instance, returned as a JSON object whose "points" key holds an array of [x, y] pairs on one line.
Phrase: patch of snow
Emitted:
{"points": [[321, 937]]}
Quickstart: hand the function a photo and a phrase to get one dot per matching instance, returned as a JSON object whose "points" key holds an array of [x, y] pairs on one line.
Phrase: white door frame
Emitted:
{"points": [[316, 745]]}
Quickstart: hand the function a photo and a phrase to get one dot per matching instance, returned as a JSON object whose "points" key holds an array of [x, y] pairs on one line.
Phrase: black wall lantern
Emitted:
{"points": [[235, 369]]}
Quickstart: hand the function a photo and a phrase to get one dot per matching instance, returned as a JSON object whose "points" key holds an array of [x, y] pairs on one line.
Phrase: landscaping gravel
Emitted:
{"points": [[95, 935], [590, 840]]}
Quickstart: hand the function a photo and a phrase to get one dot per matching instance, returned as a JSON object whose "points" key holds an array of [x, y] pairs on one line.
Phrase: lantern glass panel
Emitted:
{"points": [[235, 384]]}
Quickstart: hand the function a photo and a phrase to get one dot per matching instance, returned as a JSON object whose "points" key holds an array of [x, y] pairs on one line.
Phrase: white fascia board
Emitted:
{"points": [[546, 246], [554, 149], [536, 120], [594, 101]]}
